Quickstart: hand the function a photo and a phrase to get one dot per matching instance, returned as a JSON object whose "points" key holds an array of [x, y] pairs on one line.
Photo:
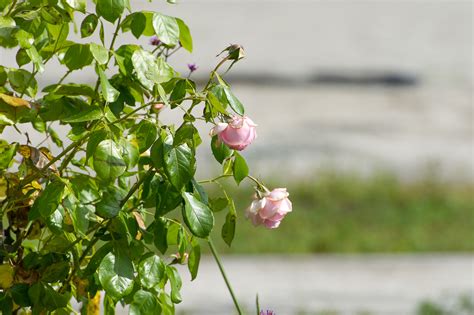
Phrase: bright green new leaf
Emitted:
{"points": [[78, 5], [100, 53], [197, 215], [108, 162], [166, 28], [7, 152], [108, 91], [185, 35]]}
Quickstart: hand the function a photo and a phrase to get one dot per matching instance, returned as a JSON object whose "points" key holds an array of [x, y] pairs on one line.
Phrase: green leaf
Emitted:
{"points": [[138, 24], [144, 303], [110, 10], [100, 53], [109, 205], [89, 114], [228, 229], [108, 91], [53, 300], [145, 134], [108, 162], [36, 58], [58, 35], [23, 81], [70, 89], [24, 38], [116, 275], [167, 198], [7, 152], [88, 25], [78, 5], [218, 204], [97, 258], [148, 71], [151, 271], [215, 103], [6, 21], [160, 233], [175, 282], [179, 163], [194, 259], [166, 28], [19, 293], [220, 150], [240, 168], [197, 215], [48, 200], [77, 56], [234, 102], [55, 272], [185, 35], [130, 152]]}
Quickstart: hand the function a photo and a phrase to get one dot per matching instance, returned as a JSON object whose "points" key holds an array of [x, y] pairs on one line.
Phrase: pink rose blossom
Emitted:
{"points": [[237, 134], [270, 209]]}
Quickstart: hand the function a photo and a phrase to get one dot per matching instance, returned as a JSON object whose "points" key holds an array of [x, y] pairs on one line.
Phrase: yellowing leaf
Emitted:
{"points": [[14, 101], [6, 276]]}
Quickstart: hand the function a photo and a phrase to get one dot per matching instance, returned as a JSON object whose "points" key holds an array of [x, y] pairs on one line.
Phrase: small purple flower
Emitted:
{"points": [[268, 312], [155, 41], [192, 67]]}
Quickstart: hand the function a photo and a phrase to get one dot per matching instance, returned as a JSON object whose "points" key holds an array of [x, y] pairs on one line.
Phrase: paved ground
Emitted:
{"points": [[381, 284]]}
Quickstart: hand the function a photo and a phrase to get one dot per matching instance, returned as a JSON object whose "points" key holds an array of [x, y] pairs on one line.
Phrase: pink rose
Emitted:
{"points": [[271, 209], [237, 134]]}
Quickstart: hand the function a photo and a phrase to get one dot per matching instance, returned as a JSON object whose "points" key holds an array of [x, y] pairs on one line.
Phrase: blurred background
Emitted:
{"points": [[365, 113]]}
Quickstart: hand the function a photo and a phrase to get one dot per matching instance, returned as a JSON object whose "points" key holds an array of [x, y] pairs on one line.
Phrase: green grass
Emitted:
{"points": [[337, 213]]}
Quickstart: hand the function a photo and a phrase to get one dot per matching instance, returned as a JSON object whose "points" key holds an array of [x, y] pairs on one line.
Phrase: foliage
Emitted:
{"points": [[107, 211]]}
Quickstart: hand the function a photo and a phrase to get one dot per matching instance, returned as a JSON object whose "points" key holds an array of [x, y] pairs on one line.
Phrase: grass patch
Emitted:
{"points": [[349, 214]]}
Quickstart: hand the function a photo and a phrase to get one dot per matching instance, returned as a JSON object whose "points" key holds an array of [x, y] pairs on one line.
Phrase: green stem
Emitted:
{"points": [[221, 268]]}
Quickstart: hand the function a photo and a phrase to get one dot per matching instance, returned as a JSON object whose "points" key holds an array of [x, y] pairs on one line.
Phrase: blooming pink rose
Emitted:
{"points": [[271, 209], [237, 134]]}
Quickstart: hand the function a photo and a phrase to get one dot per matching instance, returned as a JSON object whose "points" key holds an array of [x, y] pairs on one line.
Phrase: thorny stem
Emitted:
{"points": [[224, 275]]}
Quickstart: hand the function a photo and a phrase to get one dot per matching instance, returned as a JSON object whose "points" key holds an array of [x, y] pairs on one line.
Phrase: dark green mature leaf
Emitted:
{"points": [[108, 162], [145, 134], [7, 152], [179, 163], [19, 293], [197, 215], [185, 35], [138, 24], [234, 102], [88, 25], [48, 200], [144, 303], [151, 271], [77, 56], [160, 235], [89, 114], [52, 299], [218, 204], [116, 275], [55, 272], [70, 89], [110, 10], [130, 152], [194, 259], [167, 198], [228, 229], [240, 168], [109, 204], [97, 258], [166, 28], [22, 81], [175, 282], [109, 93], [220, 150]]}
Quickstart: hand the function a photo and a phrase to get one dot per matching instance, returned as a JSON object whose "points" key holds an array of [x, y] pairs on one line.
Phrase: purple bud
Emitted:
{"points": [[267, 313], [192, 67], [155, 41]]}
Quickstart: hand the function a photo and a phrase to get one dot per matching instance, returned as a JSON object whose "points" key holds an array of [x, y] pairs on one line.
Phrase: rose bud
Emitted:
{"points": [[155, 41], [270, 209], [157, 107], [237, 133]]}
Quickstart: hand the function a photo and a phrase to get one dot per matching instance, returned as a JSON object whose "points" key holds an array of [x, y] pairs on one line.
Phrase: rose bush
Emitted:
{"points": [[114, 204]]}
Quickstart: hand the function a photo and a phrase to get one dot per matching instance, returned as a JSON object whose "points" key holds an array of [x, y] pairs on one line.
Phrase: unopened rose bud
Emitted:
{"points": [[270, 209], [235, 52], [237, 134]]}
